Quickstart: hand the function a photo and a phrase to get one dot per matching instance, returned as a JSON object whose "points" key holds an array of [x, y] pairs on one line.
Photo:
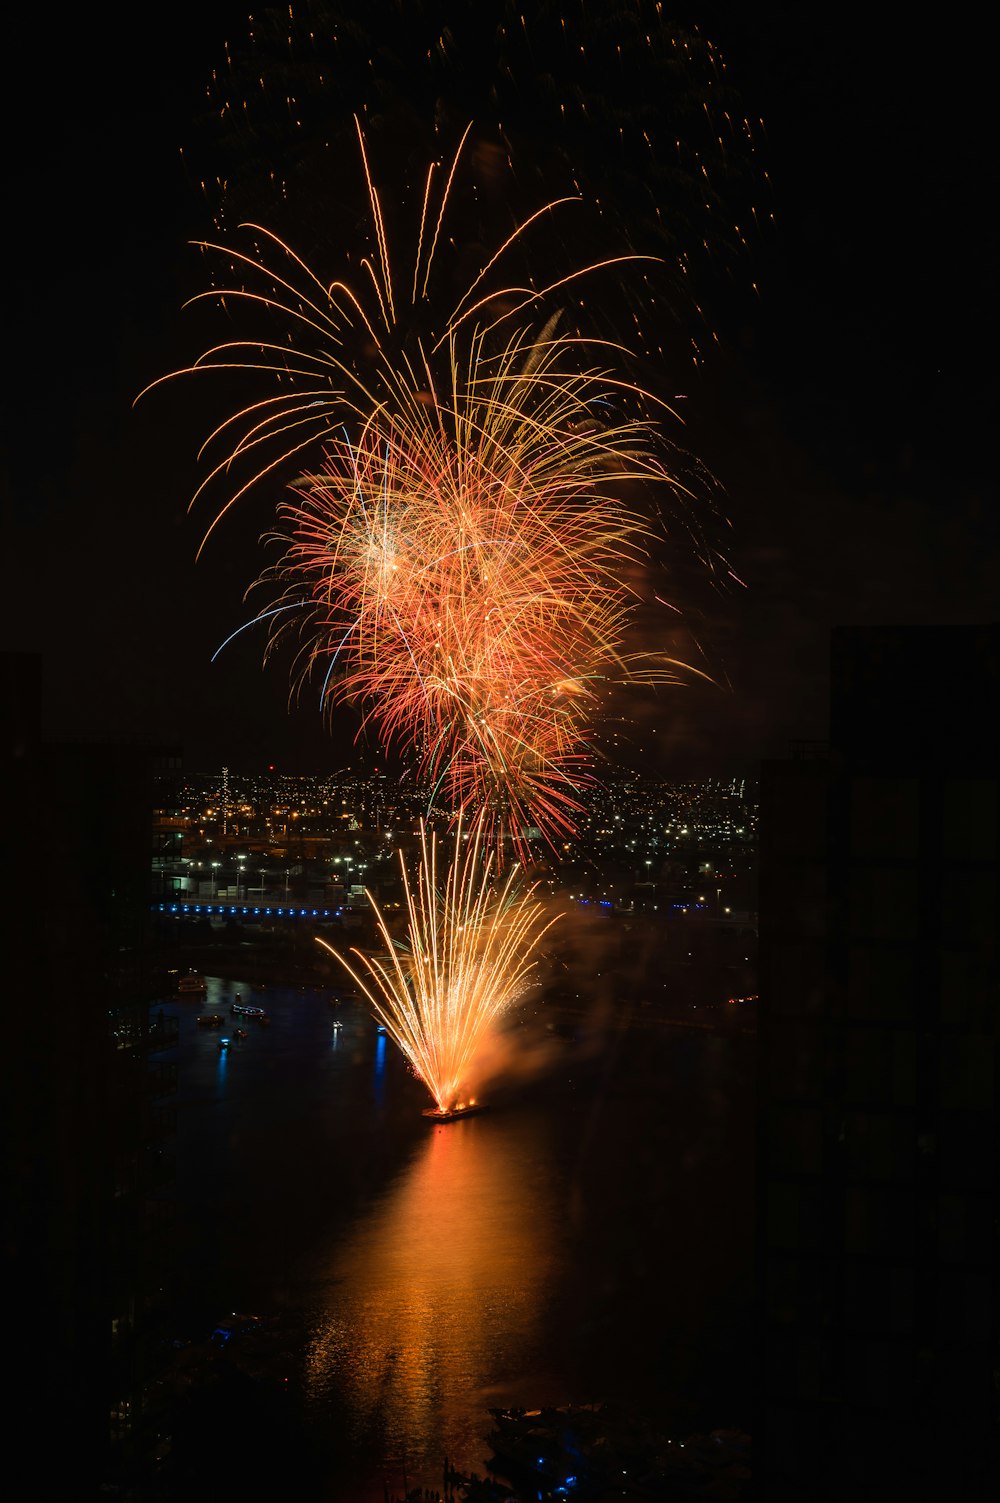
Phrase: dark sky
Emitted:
{"points": [[847, 409]]}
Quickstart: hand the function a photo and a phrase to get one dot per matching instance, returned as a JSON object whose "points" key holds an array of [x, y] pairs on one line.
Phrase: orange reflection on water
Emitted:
{"points": [[435, 1299]]}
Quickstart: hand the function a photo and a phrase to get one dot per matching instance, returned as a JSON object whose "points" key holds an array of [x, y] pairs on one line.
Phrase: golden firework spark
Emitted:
{"points": [[469, 954]]}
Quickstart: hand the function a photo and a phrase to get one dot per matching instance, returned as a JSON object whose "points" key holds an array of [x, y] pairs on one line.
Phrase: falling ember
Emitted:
{"points": [[470, 950]]}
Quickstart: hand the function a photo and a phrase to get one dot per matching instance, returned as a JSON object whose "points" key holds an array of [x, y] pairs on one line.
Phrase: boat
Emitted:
{"points": [[235, 1325], [244, 1010], [192, 982], [210, 1020], [223, 1045], [337, 1025], [452, 1113]]}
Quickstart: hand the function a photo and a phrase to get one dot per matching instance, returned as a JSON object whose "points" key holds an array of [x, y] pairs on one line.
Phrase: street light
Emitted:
{"points": [[287, 871], [262, 872], [239, 875], [215, 878]]}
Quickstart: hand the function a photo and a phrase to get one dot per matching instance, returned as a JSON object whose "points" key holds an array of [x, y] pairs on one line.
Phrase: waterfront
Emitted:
{"points": [[588, 1238]]}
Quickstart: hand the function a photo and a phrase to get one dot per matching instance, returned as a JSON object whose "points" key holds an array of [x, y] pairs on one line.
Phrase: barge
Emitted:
{"points": [[452, 1113]]}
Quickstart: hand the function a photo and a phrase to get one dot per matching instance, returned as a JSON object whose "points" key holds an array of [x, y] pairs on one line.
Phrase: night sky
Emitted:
{"points": [[847, 407]]}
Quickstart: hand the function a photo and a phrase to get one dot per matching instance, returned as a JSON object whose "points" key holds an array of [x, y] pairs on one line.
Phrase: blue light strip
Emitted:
{"points": [[197, 910]]}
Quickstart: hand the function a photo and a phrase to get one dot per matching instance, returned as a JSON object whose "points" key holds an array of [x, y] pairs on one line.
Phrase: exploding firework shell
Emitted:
{"points": [[464, 578], [456, 553]]}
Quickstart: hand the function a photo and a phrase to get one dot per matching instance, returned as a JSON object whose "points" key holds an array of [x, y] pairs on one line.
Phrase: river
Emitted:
{"points": [[587, 1238]]}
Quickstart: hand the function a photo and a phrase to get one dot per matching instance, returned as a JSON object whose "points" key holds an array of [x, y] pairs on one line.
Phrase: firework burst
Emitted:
{"points": [[469, 955], [455, 562], [463, 573]]}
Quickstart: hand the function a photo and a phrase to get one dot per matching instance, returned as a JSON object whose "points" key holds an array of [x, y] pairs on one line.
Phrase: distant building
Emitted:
{"points": [[877, 1188]]}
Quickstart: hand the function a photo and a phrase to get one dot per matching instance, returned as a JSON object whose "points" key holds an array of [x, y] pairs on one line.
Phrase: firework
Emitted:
{"points": [[469, 954], [455, 564], [460, 576]]}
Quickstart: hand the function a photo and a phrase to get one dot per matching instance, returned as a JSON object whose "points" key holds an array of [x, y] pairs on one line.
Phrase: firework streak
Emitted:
{"points": [[468, 957]]}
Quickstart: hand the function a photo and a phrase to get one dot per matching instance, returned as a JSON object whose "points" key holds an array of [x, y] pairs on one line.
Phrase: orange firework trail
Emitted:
{"points": [[455, 564], [464, 574], [469, 955]]}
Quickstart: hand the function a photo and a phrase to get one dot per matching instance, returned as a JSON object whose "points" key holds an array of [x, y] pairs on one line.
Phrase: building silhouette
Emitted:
{"points": [[877, 1227], [88, 1109]]}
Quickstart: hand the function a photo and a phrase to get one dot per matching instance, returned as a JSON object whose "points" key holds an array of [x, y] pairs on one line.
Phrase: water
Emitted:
{"points": [[587, 1238]]}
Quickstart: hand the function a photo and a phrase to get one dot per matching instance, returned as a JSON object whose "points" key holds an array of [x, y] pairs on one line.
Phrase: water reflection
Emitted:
{"points": [[588, 1239], [439, 1294], [379, 1076]]}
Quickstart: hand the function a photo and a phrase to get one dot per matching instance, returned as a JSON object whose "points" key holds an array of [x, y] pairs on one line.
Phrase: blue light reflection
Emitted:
{"points": [[379, 1079]]}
